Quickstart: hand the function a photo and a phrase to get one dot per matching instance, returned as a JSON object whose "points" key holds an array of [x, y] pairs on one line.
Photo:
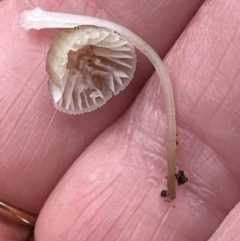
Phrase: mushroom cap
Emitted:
{"points": [[86, 66]]}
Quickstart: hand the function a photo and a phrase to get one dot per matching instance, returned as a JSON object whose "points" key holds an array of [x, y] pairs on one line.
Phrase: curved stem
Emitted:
{"points": [[39, 19]]}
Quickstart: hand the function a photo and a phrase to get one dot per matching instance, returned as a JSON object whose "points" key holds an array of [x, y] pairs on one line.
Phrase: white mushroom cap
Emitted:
{"points": [[86, 65]]}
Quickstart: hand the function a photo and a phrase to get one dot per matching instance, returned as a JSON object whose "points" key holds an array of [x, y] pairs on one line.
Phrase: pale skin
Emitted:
{"points": [[112, 189]]}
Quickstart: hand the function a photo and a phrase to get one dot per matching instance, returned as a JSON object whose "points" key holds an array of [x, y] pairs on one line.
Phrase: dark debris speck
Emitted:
{"points": [[181, 177]]}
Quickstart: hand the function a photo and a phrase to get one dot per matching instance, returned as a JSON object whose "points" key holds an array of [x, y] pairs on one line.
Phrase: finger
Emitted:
{"points": [[229, 228], [38, 143], [112, 191]]}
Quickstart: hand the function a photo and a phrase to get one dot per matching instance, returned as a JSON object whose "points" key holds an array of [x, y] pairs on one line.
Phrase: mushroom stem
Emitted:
{"points": [[39, 19]]}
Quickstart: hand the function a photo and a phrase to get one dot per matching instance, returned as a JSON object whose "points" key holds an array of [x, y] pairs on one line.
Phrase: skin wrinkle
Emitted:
{"points": [[229, 228], [107, 12], [28, 105], [221, 212], [225, 235], [160, 3], [207, 194], [137, 158], [143, 126], [138, 124], [15, 38], [196, 190], [195, 183], [65, 153], [135, 212], [142, 3], [114, 4], [204, 210], [96, 213], [72, 5], [189, 9], [26, 168], [175, 24], [40, 161], [36, 151], [161, 223], [216, 70], [171, 236], [49, 145], [207, 188], [154, 156], [128, 219], [218, 219], [212, 153], [214, 148], [228, 91], [235, 222], [99, 209], [220, 8], [25, 146], [92, 191], [16, 162], [151, 144], [92, 201], [110, 213], [132, 238], [33, 121], [3, 97], [225, 5], [210, 146], [185, 38], [202, 93], [129, 12], [14, 101], [133, 229]]}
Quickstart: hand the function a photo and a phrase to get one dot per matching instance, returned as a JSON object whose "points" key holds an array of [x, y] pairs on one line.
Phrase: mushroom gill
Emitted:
{"points": [[86, 65]]}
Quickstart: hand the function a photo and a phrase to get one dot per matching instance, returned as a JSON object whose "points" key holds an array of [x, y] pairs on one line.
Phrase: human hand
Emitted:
{"points": [[112, 189]]}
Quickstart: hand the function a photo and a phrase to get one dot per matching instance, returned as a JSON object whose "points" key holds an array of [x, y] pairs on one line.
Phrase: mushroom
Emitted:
{"points": [[94, 59], [86, 65]]}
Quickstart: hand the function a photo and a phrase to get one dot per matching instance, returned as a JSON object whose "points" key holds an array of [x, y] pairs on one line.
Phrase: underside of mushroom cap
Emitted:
{"points": [[86, 65]]}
